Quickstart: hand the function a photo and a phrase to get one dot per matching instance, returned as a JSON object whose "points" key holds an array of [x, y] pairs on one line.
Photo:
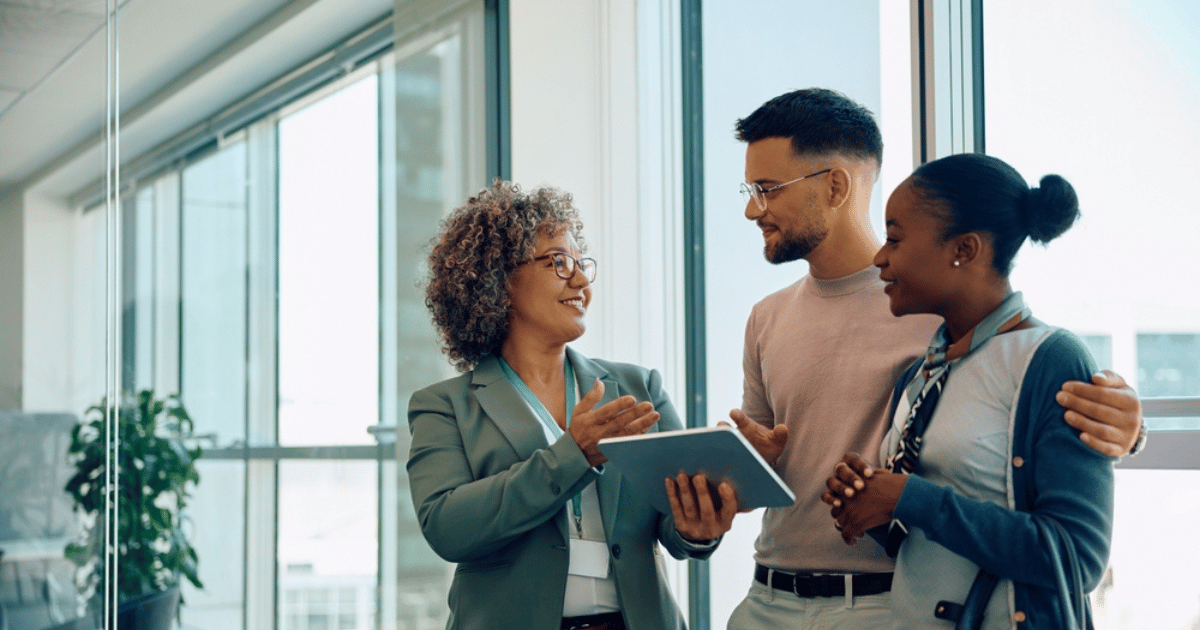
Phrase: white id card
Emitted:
{"points": [[589, 558]]}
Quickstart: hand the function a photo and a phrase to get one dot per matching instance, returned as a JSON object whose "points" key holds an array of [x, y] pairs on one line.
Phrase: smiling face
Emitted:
{"points": [[793, 224], [544, 305], [915, 261]]}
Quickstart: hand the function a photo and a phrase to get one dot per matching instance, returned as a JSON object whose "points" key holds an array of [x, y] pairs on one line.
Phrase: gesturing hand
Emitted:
{"points": [[623, 416], [697, 518], [768, 442]]}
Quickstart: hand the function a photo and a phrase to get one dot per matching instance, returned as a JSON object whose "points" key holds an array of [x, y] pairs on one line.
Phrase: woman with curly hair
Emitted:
{"points": [[504, 468]]}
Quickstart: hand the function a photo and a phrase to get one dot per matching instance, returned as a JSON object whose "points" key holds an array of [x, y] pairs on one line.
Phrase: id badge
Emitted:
{"points": [[589, 558]]}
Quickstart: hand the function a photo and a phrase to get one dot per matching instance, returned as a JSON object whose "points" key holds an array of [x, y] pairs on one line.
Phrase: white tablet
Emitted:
{"points": [[720, 452]]}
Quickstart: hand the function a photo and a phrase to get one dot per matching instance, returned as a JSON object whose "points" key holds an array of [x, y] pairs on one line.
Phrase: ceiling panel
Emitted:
{"points": [[52, 68]]}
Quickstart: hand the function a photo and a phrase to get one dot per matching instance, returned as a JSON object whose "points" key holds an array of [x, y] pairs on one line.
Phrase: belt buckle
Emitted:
{"points": [[796, 584], [821, 585]]}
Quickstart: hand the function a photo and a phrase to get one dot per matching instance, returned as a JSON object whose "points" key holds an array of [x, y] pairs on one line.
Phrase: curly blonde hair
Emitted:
{"points": [[474, 256]]}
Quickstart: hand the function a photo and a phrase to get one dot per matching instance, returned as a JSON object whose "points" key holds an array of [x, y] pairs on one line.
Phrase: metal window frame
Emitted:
{"points": [[948, 75], [1168, 450], [695, 365], [499, 79]]}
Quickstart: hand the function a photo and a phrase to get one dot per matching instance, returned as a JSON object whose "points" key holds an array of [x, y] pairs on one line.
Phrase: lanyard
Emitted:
{"points": [[548, 420]]}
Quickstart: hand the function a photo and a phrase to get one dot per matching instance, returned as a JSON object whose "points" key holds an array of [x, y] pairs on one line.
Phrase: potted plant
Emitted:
{"points": [[156, 469]]}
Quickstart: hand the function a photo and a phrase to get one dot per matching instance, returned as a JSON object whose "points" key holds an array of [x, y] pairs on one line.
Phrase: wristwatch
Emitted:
{"points": [[1141, 440]]}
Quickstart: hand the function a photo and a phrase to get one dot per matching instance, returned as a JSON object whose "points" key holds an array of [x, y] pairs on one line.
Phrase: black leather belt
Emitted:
{"points": [[824, 585], [604, 621]]}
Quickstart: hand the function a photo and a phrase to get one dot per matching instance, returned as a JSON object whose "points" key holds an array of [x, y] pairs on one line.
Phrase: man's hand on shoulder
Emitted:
{"points": [[1107, 411]]}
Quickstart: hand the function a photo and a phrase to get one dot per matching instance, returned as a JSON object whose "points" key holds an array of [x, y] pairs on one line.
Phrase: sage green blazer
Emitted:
{"points": [[490, 494]]}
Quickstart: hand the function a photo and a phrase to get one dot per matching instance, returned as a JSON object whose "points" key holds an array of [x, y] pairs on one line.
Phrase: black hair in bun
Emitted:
{"points": [[979, 193]]}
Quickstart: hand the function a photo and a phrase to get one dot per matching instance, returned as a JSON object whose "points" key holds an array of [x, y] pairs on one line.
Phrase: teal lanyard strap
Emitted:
{"points": [[548, 420]]}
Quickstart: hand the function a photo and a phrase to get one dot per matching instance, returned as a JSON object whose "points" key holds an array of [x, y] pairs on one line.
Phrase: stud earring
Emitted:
{"points": [[957, 263]]}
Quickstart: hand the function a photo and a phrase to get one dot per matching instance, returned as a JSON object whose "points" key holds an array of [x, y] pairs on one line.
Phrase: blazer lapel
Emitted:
{"points": [[504, 406], [608, 486]]}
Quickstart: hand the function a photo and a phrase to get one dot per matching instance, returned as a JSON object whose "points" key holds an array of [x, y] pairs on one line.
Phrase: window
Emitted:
{"points": [[213, 243], [271, 279], [871, 48], [329, 268], [1061, 99], [1168, 364], [1101, 348], [214, 234]]}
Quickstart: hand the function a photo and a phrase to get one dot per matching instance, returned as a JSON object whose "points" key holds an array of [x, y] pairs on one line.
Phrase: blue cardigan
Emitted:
{"points": [[1054, 476]]}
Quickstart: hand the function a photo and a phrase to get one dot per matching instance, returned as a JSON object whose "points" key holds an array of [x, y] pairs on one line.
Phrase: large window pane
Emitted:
{"points": [[1168, 364], [1144, 587], [329, 269], [434, 158], [328, 544], [213, 359], [424, 95], [865, 58], [213, 286], [217, 520], [1062, 99]]}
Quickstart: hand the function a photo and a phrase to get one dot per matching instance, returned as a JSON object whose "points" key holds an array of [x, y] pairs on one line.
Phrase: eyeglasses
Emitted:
{"points": [[566, 264], [759, 194]]}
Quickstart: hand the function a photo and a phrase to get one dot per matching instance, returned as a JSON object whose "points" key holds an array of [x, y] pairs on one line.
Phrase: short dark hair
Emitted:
{"points": [[973, 192], [817, 120], [473, 259]]}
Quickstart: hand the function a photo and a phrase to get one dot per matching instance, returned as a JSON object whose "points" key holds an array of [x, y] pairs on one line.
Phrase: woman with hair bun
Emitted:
{"points": [[505, 473], [998, 515]]}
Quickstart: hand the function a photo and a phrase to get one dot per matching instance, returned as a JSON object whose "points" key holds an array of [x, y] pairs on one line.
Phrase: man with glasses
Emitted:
{"points": [[822, 355]]}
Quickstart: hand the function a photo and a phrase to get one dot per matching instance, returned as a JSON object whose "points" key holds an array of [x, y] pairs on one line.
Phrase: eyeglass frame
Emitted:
{"points": [[577, 264], [759, 194]]}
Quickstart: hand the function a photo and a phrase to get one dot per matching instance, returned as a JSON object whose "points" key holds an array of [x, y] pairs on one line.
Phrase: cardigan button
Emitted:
{"points": [[555, 489], [1019, 617], [616, 549], [1018, 461]]}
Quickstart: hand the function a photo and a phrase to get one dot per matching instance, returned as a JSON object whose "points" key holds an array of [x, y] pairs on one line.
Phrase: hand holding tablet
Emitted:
{"points": [[720, 452]]}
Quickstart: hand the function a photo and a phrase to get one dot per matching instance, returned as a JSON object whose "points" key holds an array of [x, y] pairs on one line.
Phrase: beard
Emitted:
{"points": [[794, 247]]}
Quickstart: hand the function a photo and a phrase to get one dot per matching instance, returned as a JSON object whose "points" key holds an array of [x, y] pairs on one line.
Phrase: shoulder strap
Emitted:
{"points": [[1070, 587], [969, 614]]}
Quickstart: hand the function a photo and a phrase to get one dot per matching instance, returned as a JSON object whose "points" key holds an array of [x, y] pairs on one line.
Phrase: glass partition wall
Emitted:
{"points": [[264, 283]]}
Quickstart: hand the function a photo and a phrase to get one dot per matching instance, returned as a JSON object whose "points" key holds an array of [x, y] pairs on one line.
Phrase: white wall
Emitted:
{"points": [[63, 367], [43, 306], [594, 112]]}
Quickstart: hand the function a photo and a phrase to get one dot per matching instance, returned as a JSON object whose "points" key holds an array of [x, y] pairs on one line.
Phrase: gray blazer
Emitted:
{"points": [[489, 494]]}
